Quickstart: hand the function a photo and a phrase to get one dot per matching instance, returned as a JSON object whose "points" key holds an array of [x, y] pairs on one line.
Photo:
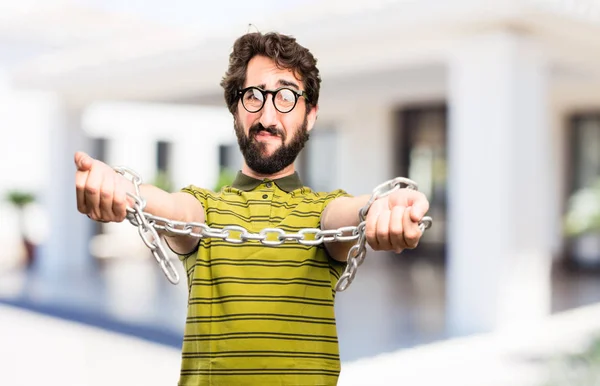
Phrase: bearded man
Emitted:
{"points": [[261, 315]]}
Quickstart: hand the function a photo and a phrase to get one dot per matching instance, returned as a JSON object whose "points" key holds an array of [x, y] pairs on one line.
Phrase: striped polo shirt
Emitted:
{"points": [[257, 314]]}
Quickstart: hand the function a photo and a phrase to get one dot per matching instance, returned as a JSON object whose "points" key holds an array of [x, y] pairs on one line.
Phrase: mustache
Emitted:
{"points": [[255, 129]]}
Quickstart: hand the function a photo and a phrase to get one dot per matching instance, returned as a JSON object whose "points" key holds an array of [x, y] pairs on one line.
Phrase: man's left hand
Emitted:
{"points": [[393, 221]]}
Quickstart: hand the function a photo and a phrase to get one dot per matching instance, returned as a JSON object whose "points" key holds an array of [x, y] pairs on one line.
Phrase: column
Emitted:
{"points": [[66, 251], [499, 175], [196, 161], [134, 152]]}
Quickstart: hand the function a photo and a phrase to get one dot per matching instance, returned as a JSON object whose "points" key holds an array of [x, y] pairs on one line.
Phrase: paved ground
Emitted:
{"points": [[41, 350]]}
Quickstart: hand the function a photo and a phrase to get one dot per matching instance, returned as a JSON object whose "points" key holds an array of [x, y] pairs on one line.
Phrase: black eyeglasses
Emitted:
{"points": [[284, 99]]}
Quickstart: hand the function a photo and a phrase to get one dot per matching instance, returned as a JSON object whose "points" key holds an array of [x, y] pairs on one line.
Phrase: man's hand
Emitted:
{"points": [[393, 221], [101, 192]]}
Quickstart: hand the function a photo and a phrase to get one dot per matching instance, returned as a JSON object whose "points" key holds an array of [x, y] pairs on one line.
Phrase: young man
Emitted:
{"points": [[261, 315]]}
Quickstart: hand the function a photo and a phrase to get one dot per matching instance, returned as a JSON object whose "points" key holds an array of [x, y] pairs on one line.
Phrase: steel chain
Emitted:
{"points": [[148, 225]]}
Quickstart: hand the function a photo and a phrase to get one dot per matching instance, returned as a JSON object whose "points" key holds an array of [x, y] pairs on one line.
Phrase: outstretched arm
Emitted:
{"points": [[392, 221], [102, 195]]}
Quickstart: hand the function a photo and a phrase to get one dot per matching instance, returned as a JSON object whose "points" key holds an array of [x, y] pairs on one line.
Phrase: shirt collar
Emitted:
{"points": [[247, 183]]}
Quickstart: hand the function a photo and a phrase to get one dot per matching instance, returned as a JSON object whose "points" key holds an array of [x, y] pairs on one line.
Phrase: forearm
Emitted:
{"points": [[342, 212], [176, 206]]}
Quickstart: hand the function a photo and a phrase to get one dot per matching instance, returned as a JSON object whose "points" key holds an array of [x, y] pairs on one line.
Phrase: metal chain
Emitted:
{"points": [[148, 225], [358, 252]]}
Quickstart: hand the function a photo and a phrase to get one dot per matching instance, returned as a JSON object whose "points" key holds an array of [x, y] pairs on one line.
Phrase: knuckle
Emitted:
{"points": [[414, 235], [90, 189], [396, 228], [105, 194], [118, 201]]}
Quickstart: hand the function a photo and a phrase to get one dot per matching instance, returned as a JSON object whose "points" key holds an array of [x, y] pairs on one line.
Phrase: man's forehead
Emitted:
{"points": [[264, 71]]}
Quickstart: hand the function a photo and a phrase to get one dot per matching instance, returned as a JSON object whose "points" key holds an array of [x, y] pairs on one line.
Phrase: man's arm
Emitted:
{"points": [[341, 212], [178, 206], [102, 196], [392, 222]]}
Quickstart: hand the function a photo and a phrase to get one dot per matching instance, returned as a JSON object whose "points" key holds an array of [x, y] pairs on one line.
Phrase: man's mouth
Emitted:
{"points": [[267, 133]]}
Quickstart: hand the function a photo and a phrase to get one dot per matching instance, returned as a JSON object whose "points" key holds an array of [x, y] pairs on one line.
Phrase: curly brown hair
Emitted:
{"points": [[282, 49]]}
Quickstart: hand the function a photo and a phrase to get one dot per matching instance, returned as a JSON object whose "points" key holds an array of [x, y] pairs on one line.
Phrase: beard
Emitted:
{"points": [[254, 151]]}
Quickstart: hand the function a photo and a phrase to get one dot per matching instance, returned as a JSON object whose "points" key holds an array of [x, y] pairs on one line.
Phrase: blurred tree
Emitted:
{"points": [[20, 200], [226, 177], [583, 213], [163, 180]]}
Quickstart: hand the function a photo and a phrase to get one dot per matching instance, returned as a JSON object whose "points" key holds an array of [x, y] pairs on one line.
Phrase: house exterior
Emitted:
{"points": [[492, 107]]}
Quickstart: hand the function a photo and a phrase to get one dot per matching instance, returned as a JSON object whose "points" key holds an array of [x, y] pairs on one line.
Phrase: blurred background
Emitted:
{"points": [[493, 107]]}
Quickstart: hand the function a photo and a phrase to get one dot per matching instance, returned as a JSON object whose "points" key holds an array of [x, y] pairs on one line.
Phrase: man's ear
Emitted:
{"points": [[312, 117]]}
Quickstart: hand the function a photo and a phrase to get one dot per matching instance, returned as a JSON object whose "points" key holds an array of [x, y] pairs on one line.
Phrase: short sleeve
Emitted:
{"points": [[336, 268], [201, 195], [333, 195]]}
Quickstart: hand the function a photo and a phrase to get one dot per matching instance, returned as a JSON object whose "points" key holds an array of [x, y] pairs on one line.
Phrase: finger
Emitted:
{"points": [[83, 161], [383, 230], [80, 182], [119, 206], [92, 192], [106, 197], [420, 206], [371, 229], [412, 232], [396, 229]]}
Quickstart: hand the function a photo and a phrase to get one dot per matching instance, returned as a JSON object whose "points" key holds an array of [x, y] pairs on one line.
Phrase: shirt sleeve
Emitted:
{"points": [[336, 268], [201, 195]]}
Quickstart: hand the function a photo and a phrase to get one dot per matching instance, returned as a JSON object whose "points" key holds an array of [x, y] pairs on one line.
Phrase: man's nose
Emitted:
{"points": [[269, 116]]}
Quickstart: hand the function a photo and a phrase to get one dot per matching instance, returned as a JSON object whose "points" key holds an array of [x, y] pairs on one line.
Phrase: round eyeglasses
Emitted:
{"points": [[284, 99]]}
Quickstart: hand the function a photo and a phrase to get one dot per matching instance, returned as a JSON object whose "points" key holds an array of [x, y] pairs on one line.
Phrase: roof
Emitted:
{"points": [[84, 50]]}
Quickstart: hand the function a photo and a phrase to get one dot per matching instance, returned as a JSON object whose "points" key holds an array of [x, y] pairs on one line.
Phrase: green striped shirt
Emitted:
{"points": [[261, 315]]}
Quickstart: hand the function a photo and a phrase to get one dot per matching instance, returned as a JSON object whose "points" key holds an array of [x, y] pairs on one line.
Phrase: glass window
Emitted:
{"points": [[420, 154]]}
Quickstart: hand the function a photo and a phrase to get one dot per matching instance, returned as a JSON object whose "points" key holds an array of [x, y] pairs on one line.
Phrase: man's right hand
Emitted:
{"points": [[101, 191]]}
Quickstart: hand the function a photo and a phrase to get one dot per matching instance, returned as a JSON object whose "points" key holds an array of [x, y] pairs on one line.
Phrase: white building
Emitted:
{"points": [[492, 107]]}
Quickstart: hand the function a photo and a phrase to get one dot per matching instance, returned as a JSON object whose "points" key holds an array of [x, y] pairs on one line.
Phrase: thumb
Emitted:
{"points": [[83, 162], [419, 205]]}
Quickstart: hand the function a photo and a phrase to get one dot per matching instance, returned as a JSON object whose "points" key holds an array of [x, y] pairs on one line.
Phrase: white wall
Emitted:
{"points": [[26, 119], [133, 129]]}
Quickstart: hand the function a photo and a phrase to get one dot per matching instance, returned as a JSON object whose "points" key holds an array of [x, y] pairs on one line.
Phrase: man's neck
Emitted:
{"points": [[289, 170]]}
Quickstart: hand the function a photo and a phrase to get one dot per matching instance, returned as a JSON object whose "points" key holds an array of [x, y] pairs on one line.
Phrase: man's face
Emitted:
{"points": [[271, 140]]}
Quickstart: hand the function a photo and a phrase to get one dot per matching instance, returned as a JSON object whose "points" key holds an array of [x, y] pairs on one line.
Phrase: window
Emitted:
{"points": [[420, 154], [163, 166], [163, 152]]}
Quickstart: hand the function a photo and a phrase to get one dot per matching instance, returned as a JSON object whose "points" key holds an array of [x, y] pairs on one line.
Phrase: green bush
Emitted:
{"points": [[581, 369]]}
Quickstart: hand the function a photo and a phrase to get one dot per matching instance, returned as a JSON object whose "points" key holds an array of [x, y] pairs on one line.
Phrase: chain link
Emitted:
{"points": [[148, 225]]}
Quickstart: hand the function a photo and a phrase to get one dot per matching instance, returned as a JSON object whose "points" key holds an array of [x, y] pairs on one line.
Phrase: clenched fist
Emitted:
{"points": [[393, 221], [101, 192]]}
